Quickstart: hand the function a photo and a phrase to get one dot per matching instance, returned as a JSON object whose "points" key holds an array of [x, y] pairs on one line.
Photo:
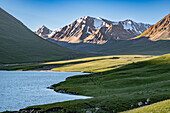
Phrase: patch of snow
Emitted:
{"points": [[50, 31], [88, 30], [79, 20], [99, 18], [127, 26], [83, 26], [115, 23], [129, 22], [105, 24], [57, 30], [98, 23], [86, 17], [82, 20], [132, 26], [51, 34]]}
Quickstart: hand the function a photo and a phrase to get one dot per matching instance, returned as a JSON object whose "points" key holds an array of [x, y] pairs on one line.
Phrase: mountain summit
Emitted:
{"points": [[43, 31], [96, 30], [159, 31]]}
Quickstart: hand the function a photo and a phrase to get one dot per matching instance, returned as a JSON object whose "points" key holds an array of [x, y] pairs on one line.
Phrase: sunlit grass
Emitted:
{"points": [[160, 107], [90, 64], [117, 90], [103, 63]]}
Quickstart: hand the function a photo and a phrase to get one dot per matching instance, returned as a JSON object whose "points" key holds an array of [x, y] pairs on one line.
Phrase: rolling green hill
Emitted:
{"points": [[18, 44], [125, 88]]}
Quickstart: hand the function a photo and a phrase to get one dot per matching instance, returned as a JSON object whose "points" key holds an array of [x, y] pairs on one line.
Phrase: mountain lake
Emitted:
{"points": [[19, 89]]}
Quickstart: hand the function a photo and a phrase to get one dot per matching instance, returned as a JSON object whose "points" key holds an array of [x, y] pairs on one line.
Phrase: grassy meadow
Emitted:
{"points": [[121, 89], [90, 64]]}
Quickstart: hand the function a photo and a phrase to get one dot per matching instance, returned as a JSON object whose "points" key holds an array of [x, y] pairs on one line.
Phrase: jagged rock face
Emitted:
{"points": [[75, 32], [43, 31], [159, 31], [98, 30]]}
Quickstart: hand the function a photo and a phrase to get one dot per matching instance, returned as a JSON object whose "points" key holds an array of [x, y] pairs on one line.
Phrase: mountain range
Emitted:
{"points": [[142, 44], [94, 30], [91, 36]]}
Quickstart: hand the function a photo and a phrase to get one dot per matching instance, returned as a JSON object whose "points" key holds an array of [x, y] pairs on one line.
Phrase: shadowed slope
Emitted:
{"points": [[19, 44]]}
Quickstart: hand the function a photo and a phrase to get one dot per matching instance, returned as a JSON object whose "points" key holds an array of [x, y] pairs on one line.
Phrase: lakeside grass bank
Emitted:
{"points": [[125, 88]]}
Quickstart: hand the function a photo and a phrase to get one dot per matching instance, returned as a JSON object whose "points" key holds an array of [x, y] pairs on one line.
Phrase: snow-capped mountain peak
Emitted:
{"points": [[137, 28], [95, 30], [43, 31]]}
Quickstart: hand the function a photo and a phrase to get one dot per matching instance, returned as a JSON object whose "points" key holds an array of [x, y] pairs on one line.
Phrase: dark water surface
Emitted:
{"points": [[19, 89]]}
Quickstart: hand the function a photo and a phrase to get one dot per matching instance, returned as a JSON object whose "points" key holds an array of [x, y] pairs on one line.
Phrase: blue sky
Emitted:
{"points": [[58, 13]]}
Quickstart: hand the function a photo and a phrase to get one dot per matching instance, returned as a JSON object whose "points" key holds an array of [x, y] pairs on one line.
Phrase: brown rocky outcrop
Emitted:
{"points": [[159, 31]]}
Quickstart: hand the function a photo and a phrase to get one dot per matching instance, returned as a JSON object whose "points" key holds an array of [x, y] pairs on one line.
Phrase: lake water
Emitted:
{"points": [[19, 89]]}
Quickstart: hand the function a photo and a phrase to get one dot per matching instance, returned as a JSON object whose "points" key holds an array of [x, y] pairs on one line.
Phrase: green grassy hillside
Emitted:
{"points": [[125, 88], [19, 44]]}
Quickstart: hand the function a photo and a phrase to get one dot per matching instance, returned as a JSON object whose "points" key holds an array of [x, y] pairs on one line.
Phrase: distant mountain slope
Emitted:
{"points": [[157, 44], [159, 31], [95, 30], [141, 46], [19, 44]]}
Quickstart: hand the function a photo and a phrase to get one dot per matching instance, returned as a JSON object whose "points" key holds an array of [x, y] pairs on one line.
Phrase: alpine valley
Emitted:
{"points": [[18, 44], [103, 36], [122, 66]]}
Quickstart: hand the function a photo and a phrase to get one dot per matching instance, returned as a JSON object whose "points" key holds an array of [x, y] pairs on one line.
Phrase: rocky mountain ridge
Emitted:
{"points": [[94, 30], [159, 31]]}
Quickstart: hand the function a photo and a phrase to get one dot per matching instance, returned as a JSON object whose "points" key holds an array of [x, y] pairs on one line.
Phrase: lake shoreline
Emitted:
{"points": [[63, 98], [62, 91]]}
